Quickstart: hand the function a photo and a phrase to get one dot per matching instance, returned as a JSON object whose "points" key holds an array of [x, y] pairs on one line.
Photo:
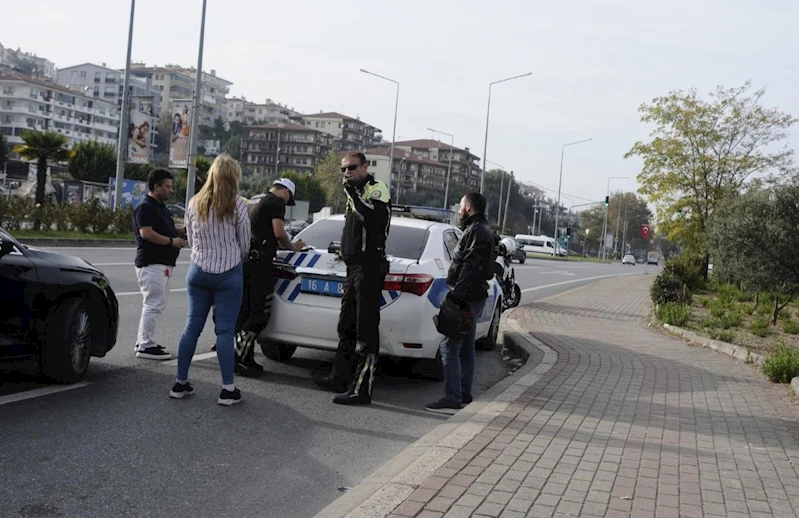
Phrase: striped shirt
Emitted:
{"points": [[218, 246]]}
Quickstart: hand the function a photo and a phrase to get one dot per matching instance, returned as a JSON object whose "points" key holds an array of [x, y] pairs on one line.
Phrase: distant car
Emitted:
{"points": [[652, 258], [628, 259], [56, 308], [520, 255], [295, 227], [177, 210]]}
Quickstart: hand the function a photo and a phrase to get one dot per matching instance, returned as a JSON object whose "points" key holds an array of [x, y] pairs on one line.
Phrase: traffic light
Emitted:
{"points": [[568, 232], [607, 201]]}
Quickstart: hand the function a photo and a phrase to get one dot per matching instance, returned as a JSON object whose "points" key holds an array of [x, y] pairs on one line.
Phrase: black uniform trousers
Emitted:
{"points": [[256, 301], [359, 326]]}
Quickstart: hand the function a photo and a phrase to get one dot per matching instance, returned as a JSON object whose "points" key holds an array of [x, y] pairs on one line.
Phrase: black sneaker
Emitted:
{"points": [[466, 400], [349, 398], [154, 353], [180, 390], [136, 348], [443, 406], [252, 364], [228, 398], [247, 370]]}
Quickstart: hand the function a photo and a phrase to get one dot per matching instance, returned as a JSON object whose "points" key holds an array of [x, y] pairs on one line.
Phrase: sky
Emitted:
{"points": [[593, 63]]}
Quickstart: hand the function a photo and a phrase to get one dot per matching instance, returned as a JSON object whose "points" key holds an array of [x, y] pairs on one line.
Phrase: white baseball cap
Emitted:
{"points": [[288, 184]]}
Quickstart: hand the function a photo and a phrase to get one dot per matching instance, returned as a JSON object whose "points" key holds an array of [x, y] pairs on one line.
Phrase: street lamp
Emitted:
{"points": [[399, 179], [560, 181], [501, 181], [488, 113], [449, 165], [605, 225], [394, 131], [122, 145]]}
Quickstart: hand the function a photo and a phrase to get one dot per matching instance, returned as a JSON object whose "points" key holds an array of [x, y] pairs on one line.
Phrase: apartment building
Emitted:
{"points": [[33, 104], [273, 148], [26, 63], [465, 168], [250, 113], [175, 82], [349, 134], [410, 172]]}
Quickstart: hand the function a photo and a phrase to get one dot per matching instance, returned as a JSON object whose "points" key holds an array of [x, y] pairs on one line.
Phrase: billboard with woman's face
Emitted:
{"points": [[179, 136], [139, 130]]}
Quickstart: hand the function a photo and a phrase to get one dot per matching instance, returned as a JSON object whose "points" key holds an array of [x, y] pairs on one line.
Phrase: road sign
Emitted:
{"points": [[645, 231]]}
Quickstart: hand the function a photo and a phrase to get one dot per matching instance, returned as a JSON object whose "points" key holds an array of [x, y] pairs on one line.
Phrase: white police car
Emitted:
{"points": [[309, 286]]}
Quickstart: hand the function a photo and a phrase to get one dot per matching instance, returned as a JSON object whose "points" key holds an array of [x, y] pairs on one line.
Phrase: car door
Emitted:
{"points": [[17, 274]]}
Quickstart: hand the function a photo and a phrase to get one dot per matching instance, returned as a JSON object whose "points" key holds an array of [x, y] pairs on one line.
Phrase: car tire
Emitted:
{"points": [[66, 351], [523, 259], [489, 342], [277, 351]]}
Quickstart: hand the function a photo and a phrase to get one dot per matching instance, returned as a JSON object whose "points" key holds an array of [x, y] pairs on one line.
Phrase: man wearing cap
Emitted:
{"points": [[267, 212]]}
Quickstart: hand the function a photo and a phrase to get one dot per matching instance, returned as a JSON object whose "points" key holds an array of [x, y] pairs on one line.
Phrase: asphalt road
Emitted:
{"points": [[116, 445]]}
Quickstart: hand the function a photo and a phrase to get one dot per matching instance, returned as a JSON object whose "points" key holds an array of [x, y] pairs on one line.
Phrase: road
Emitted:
{"points": [[116, 445]]}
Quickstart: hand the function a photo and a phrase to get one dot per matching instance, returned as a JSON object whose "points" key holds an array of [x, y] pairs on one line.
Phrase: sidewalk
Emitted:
{"points": [[616, 420]]}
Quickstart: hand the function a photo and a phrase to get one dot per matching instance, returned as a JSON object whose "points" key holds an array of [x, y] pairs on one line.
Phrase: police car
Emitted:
{"points": [[309, 286]]}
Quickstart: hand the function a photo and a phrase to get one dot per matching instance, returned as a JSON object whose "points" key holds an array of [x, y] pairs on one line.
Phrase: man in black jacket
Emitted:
{"points": [[469, 272], [363, 249]]}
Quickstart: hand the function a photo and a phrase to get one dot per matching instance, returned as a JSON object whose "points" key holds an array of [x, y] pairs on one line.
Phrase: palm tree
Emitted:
{"points": [[43, 147], [93, 161]]}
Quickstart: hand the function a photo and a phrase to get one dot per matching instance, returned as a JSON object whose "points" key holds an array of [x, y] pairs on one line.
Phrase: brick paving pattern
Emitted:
{"points": [[628, 422]]}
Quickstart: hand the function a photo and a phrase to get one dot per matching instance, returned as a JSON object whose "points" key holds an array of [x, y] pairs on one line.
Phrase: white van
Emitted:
{"points": [[536, 244]]}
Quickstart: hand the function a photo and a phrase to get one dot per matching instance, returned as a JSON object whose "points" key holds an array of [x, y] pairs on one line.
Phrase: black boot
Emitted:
{"points": [[360, 393], [329, 382]]}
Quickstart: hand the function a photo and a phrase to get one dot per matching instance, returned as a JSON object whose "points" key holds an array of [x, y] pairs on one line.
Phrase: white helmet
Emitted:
{"points": [[509, 245]]}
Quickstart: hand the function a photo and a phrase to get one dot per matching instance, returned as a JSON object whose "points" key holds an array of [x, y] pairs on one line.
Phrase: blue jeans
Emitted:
{"points": [[457, 356], [223, 291]]}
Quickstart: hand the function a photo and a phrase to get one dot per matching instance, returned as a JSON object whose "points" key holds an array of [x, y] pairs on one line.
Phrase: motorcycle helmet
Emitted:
{"points": [[509, 246]]}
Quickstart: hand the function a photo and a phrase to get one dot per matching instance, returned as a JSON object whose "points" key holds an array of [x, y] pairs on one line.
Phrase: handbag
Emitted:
{"points": [[454, 320]]}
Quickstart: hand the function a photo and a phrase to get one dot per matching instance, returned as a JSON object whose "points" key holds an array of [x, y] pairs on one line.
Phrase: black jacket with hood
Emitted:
{"points": [[471, 266]]}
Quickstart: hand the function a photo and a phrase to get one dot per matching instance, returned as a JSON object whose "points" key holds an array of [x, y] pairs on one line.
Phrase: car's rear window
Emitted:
{"points": [[405, 242]]}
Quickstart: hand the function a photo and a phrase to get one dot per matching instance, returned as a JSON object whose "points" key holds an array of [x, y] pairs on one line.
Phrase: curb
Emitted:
{"points": [[795, 385], [736, 351], [77, 243], [385, 489]]}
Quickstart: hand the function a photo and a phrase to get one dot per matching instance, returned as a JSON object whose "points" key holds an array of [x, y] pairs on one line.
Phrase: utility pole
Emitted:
{"points": [[499, 205], [124, 119], [507, 202], [618, 219], [624, 238], [195, 114]]}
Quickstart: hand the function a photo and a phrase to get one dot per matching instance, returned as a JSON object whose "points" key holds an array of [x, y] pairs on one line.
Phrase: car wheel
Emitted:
{"points": [[489, 342], [67, 349], [523, 259], [277, 351]]}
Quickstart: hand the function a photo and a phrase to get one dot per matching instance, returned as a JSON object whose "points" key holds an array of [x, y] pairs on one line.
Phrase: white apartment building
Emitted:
{"points": [[465, 168], [349, 134], [411, 172], [32, 104], [250, 113], [26, 63]]}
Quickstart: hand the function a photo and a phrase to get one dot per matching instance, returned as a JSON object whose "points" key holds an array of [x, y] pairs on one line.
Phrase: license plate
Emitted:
{"points": [[322, 287]]}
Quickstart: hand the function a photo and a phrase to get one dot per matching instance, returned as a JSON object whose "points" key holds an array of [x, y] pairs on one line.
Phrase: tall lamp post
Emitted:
{"points": [[394, 131], [488, 113], [124, 120], [449, 165], [195, 115], [605, 225], [560, 182], [501, 181]]}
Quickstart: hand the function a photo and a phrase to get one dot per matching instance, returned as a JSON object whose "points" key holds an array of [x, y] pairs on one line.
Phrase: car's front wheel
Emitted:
{"points": [[67, 348], [489, 342], [277, 351], [522, 259]]}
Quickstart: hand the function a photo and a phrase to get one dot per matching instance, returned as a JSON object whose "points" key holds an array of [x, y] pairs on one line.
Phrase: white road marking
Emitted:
{"points": [[44, 391], [574, 280], [197, 357], [129, 293]]}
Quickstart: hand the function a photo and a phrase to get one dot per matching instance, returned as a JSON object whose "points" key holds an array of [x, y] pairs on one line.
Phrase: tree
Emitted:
{"points": [[308, 189], [220, 133], [3, 151], [233, 147], [703, 149], [92, 161], [328, 174], [42, 147], [753, 242], [622, 205]]}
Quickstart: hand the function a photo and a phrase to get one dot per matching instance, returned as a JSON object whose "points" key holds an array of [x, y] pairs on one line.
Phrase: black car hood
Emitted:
{"points": [[63, 260]]}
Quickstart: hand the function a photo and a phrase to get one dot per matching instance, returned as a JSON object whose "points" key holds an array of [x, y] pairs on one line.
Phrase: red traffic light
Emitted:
{"points": [[645, 231]]}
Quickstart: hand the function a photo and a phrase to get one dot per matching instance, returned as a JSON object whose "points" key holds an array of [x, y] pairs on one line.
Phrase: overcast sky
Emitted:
{"points": [[593, 64]]}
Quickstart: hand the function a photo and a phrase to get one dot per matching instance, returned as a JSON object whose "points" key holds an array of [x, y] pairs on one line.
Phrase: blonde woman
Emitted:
{"points": [[218, 228]]}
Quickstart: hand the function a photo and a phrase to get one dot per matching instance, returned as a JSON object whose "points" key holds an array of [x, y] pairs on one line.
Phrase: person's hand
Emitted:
{"points": [[299, 245], [179, 243]]}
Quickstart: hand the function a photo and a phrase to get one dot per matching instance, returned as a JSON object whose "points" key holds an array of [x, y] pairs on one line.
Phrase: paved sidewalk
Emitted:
{"points": [[618, 420]]}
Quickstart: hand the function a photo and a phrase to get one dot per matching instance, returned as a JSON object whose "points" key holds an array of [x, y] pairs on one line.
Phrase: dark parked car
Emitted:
{"points": [[520, 254], [54, 307]]}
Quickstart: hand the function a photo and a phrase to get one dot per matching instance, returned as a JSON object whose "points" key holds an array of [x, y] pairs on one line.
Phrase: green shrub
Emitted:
{"points": [[709, 323], [724, 336], [732, 319], [727, 293], [782, 365], [16, 212], [668, 288], [46, 213], [63, 216], [674, 314], [101, 216], [704, 302], [791, 327], [123, 221], [765, 307], [760, 327], [745, 296], [717, 309], [786, 314], [746, 309], [688, 268], [81, 216]]}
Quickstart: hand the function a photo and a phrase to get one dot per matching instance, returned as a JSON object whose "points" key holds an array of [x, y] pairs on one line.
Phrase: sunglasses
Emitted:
{"points": [[351, 167]]}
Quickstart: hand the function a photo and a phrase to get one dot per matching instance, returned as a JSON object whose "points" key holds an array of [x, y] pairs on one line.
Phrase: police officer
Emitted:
{"points": [[267, 212], [363, 249]]}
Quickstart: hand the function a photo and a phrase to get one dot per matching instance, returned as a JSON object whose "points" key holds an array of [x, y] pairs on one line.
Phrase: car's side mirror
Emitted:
{"points": [[334, 247], [6, 248]]}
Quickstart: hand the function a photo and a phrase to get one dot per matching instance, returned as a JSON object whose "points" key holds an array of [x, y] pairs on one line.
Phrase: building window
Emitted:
{"points": [[8, 90], [83, 74]]}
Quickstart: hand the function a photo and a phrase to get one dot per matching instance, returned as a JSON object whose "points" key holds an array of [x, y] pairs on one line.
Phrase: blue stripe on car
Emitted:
{"points": [[287, 259], [437, 292], [281, 288], [382, 301], [314, 260], [295, 293]]}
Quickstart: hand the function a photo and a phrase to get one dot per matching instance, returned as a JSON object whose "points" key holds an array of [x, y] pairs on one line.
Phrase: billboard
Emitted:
{"points": [[133, 192], [179, 136], [142, 113]]}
